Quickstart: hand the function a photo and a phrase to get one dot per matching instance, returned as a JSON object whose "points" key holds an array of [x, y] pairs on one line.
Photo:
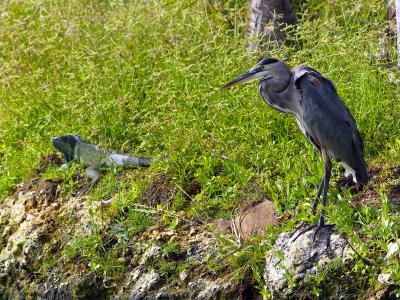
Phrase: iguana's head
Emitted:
{"points": [[66, 145]]}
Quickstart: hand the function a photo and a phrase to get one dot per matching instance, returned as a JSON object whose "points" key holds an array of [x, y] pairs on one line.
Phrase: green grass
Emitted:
{"points": [[144, 76]]}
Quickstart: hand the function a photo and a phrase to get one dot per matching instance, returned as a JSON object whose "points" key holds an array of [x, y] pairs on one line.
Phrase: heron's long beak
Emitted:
{"points": [[253, 74]]}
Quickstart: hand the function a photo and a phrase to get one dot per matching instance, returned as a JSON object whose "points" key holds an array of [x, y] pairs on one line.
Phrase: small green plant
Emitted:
{"points": [[137, 221], [84, 246], [166, 268], [171, 249], [46, 266], [325, 275]]}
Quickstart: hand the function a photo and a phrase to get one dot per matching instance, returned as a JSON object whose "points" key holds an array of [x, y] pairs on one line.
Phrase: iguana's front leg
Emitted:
{"points": [[93, 174], [68, 164]]}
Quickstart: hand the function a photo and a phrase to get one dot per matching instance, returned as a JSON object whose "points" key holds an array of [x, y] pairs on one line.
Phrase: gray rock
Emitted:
{"points": [[205, 289], [150, 254], [289, 262], [393, 249], [136, 273], [200, 247], [208, 289], [385, 278], [183, 276], [145, 283]]}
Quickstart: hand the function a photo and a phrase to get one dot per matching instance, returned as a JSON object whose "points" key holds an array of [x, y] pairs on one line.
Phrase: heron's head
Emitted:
{"points": [[264, 69], [66, 145]]}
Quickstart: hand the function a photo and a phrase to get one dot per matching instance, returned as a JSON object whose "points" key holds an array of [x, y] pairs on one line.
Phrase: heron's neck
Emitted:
{"points": [[277, 84], [276, 93]]}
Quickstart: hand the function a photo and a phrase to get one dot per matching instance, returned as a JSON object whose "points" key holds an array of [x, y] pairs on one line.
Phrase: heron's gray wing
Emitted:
{"points": [[302, 71], [327, 119], [326, 88], [337, 107], [311, 74]]}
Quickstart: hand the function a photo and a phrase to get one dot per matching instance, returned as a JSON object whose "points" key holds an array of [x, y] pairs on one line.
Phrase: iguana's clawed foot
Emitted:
{"points": [[85, 190]]}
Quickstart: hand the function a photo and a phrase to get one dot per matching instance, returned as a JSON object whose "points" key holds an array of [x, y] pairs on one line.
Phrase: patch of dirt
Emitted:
{"points": [[373, 171], [368, 197], [394, 190], [394, 194], [191, 188], [347, 181], [386, 292], [395, 171], [344, 181], [43, 192], [160, 190], [50, 160], [377, 176], [81, 181]]}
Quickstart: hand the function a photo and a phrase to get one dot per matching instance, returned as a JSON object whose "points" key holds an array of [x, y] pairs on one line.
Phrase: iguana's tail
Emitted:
{"points": [[127, 159]]}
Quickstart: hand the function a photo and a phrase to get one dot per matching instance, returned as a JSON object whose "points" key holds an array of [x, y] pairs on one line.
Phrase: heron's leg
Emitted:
{"points": [[315, 200], [327, 177], [324, 189], [313, 208]]}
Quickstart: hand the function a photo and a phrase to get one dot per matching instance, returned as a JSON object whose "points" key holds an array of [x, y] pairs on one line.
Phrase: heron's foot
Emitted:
{"points": [[321, 224], [328, 240], [307, 229], [302, 225]]}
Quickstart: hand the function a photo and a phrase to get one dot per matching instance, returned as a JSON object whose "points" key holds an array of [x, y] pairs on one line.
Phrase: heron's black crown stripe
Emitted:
{"points": [[268, 61]]}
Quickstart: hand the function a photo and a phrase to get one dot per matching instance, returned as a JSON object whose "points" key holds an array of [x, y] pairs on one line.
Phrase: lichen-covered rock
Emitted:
{"points": [[30, 235], [150, 254], [145, 283], [203, 289], [393, 249], [200, 247], [41, 221], [290, 261], [208, 289], [27, 223]]}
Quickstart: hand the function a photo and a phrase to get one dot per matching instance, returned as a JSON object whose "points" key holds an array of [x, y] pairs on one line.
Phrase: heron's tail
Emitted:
{"points": [[127, 159], [362, 174]]}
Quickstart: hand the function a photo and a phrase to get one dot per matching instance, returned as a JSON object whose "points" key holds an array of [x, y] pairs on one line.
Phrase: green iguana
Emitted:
{"points": [[75, 150]]}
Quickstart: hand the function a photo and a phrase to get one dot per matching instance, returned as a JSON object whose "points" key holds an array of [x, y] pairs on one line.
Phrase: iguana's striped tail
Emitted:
{"points": [[127, 159]]}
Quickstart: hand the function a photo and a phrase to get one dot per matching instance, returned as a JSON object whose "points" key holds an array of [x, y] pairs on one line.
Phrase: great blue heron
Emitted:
{"points": [[320, 114]]}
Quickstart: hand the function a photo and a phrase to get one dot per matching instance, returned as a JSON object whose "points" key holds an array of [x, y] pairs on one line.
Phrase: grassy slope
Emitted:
{"points": [[144, 77]]}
